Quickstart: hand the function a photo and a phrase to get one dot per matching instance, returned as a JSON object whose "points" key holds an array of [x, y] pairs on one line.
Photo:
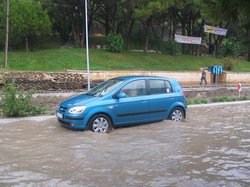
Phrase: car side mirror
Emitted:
{"points": [[121, 95]]}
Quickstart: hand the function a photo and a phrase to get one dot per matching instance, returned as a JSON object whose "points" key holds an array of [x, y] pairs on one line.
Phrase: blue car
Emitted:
{"points": [[124, 101]]}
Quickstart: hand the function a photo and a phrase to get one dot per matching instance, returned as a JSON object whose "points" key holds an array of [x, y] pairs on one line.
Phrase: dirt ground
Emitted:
{"points": [[53, 100]]}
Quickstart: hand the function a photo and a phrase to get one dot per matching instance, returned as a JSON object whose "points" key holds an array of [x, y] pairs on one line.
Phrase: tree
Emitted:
{"points": [[220, 13], [191, 23], [244, 17], [145, 12], [27, 21], [2, 22]]}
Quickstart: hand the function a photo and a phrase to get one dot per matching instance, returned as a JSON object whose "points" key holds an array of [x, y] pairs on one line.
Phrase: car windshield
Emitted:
{"points": [[104, 88]]}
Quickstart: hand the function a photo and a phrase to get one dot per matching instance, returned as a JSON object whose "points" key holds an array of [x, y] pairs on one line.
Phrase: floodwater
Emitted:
{"points": [[212, 148]]}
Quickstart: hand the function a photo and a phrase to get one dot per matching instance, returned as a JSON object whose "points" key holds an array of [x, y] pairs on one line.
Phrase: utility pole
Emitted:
{"points": [[87, 42], [6, 35]]}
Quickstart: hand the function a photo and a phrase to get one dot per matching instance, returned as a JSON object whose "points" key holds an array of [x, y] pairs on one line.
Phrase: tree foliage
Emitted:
{"points": [[28, 20], [142, 23]]}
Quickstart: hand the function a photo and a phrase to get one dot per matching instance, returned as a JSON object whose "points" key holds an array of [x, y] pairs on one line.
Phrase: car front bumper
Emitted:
{"points": [[71, 122]]}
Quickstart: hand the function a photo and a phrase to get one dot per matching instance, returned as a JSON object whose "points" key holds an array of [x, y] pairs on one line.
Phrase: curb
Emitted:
{"points": [[32, 118], [219, 104]]}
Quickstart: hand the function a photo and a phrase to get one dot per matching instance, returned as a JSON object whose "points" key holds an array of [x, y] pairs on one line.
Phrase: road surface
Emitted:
{"points": [[212, 148]]}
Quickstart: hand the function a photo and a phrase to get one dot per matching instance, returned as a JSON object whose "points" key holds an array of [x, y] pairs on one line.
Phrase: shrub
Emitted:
{"points": [[170, 47], [197, 101], [17, 102], [228, 64], [222, 99], [230, 47], [114, 43]]}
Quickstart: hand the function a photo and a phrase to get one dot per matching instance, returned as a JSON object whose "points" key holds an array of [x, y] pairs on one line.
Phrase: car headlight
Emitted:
{"points": [[77, 109]]}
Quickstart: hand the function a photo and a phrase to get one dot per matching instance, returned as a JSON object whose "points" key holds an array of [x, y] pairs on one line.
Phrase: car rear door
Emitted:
{"points": [[161, 98]]}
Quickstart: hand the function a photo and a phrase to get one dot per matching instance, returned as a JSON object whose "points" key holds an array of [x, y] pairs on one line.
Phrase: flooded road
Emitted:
{"points": [[212, 148]]}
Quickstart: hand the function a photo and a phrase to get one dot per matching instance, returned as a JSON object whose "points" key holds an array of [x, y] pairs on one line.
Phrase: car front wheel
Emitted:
{"points": [[177, 114], [100, 123]]}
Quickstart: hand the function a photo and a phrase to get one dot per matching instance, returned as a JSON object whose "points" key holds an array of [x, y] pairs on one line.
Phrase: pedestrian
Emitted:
{"points": [[203, 77]]}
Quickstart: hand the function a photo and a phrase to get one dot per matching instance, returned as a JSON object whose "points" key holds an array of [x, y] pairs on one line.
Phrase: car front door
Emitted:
{"points": [[134, 107]]}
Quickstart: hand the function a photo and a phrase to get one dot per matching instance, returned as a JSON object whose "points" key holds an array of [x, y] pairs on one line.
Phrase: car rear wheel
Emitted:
{"points": [[100, 123], [177, 114]]}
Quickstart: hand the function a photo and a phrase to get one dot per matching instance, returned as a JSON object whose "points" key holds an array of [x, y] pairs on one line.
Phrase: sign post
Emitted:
{"points": [[239, 88]]}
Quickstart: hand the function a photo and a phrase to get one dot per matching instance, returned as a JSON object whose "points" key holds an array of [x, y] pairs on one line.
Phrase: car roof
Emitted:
{"points": [[142, 77]]}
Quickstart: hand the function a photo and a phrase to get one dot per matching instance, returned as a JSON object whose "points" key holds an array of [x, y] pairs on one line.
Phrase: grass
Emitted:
{"points": [[62, 59], [191, 101]]}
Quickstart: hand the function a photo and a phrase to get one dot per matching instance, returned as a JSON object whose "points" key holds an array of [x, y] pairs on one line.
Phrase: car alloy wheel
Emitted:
{"points": [[100, 123], [177, 114]]}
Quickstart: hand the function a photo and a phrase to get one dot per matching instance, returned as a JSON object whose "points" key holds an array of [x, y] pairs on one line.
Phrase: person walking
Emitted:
{"points": [[203, 77]]}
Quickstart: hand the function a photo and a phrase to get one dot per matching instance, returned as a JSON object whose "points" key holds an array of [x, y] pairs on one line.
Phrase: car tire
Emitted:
{"points": [[100, 123], [177, 114]]}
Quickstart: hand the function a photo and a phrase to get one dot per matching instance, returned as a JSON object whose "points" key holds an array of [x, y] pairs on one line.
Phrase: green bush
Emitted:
{"points": [[244, 98], [170, 47], [228, 64], [228, 99], [114, 43], [230, 47], [222, 99], [17, 102], [197, 101]]}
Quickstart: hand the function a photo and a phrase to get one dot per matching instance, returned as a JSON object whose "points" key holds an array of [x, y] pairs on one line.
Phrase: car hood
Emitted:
{"points": [[78, 100]]}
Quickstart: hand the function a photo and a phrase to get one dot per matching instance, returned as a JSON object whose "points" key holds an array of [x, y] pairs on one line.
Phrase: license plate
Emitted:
{"points": [[59, 115]]}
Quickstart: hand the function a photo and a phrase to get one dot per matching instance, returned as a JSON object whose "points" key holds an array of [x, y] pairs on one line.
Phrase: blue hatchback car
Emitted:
{"points": [[124, 101]]}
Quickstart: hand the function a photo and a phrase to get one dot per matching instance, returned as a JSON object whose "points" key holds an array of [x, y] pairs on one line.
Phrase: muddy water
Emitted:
{"points": [[211, 149]]}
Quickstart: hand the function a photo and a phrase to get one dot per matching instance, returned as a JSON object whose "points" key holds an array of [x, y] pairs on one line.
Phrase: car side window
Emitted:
{"points": [[160, 87], [135, 88], [157, 86], [168, 87]]}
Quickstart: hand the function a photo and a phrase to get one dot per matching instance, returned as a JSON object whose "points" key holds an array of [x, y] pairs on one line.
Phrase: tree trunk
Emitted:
{"points": [[27, 43], [107, 26], [174, 23], [147, 27], [197, 49], [183, 31], [163, 29], [170, 28], [129, 33], [248, 44], [146, 41], [31, 41], [115, 25]]}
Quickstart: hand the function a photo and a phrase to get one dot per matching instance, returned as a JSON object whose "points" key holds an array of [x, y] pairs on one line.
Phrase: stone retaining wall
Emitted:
{"points": [[73, 80]]}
